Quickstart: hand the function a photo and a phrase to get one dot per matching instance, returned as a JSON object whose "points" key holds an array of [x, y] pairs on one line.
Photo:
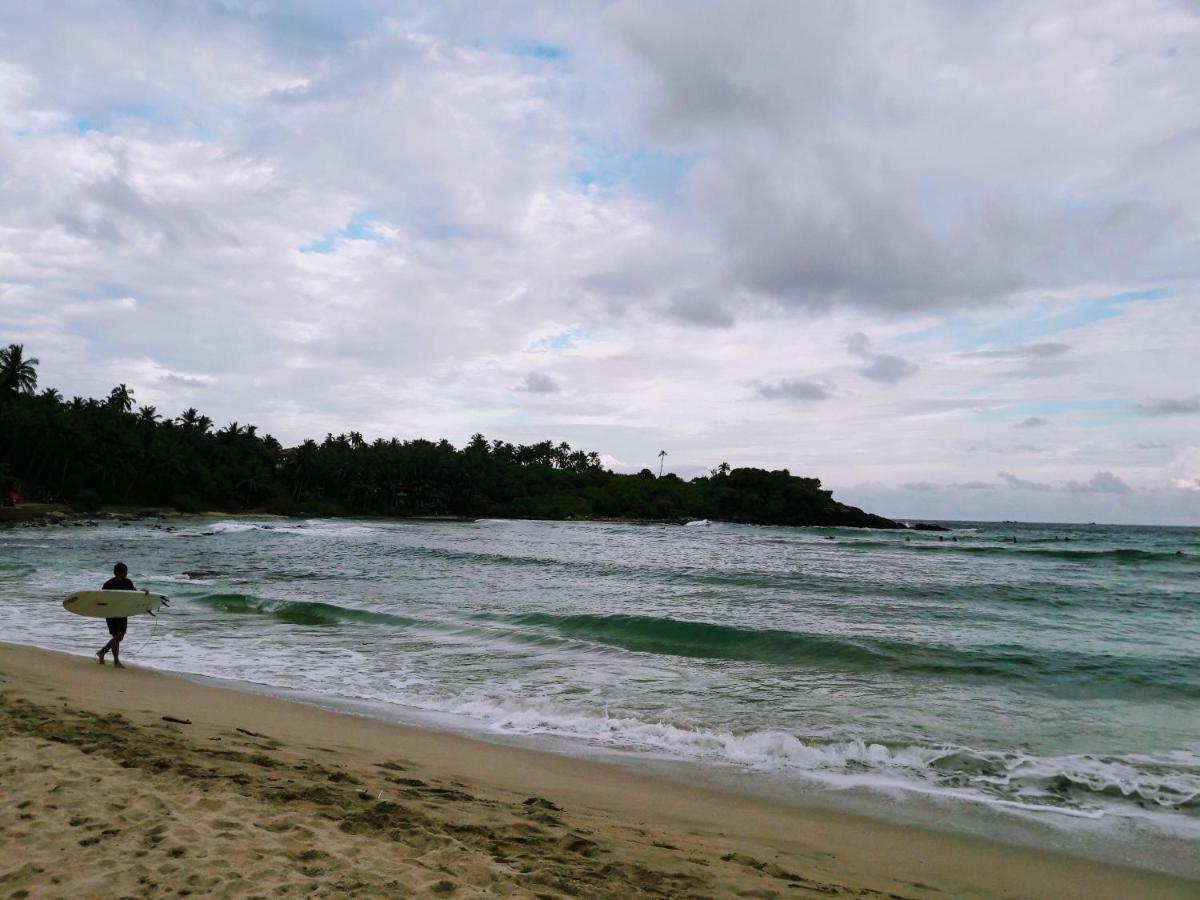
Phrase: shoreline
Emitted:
{"points": [[47, 514], [896, 803], [533, 821]]}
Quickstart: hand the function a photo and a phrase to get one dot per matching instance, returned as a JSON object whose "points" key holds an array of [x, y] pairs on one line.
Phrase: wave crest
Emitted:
{"points": [[1081, 672], [296, 612]]}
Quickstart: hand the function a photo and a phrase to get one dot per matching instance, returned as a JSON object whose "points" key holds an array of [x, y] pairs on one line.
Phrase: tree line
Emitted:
{"points": [[109, 451]]}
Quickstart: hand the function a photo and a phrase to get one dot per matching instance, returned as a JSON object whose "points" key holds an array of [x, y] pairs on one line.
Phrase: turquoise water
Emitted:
{"points": [[1047, 678]]}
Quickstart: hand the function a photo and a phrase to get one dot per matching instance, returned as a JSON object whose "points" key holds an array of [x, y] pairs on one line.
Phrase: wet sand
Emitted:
{"points": [[256, 796]]}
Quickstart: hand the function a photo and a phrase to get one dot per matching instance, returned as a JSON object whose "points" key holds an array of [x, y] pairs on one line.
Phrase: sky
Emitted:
{"points": [[947, 261]]}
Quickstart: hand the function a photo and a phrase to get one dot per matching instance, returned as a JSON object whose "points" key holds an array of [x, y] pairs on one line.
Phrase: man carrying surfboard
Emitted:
{"points": [[116, 627]]}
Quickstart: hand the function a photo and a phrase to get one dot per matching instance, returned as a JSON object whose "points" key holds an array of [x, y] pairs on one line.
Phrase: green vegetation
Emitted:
{"points": [[88, 452]]}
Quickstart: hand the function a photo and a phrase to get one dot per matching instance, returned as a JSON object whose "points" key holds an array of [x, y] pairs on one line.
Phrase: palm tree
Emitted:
{"points": [[18, 375], [148, 415], [662, 455], [723, 468], [121, 398], [304, 460]]}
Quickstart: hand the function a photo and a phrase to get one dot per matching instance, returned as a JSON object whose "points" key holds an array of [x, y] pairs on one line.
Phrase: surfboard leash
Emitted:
{"points": [[146, 639], [153, 628]]}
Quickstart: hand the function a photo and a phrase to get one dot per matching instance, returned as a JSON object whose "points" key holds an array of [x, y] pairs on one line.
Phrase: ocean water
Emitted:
{"points": [[1045, 673]]}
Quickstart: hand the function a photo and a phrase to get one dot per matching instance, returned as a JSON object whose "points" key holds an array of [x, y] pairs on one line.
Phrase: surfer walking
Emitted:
{"points": [[116, 627]]}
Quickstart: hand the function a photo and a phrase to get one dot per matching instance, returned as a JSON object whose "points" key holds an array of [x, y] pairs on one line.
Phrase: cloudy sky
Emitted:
{"points": [[948, 262]]}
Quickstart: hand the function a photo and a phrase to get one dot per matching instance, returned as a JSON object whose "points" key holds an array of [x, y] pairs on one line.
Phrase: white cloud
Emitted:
{"points": [[1184, 469]]}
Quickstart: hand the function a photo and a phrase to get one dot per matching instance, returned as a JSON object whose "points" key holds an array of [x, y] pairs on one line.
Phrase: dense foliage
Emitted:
{"points": [[88, 452]]}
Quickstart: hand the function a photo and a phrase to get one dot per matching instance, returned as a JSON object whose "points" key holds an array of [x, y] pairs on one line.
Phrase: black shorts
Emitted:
{"points": [[117, 626]]}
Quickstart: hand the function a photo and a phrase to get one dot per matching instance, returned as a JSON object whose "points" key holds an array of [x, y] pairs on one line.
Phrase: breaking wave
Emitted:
{"points": [[1093, 673], [296, 612]]}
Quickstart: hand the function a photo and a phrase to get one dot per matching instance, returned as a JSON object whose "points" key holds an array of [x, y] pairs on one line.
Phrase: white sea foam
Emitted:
{"points": [[756, 749], [231, 527], [336, 529], [310, 528], [176, 579], [1030, 783]]}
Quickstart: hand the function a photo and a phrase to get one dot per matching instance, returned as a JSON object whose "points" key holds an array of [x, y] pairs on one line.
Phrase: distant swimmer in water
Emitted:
{"points": [[116, 627]]}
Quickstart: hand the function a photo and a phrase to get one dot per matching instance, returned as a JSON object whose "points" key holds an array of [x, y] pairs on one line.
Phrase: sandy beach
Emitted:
{"points": [[105, 796]]}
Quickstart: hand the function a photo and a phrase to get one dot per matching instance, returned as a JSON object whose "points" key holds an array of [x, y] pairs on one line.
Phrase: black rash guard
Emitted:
{"points": [[118, 584]]}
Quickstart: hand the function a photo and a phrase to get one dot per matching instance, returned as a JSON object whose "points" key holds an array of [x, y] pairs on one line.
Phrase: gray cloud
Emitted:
{"points": [[858, 344], [1020, 484], [887, 369], [1167, 406], [539, 383], [700, 308], [849, 242], [1100, 483], [793, 390], [929, 486], [707, 78], [1031, 422], [1037, 360], [976, 486], [817, 194], [882, 367], [188, 380], [1043, 350], [1038, 368]]}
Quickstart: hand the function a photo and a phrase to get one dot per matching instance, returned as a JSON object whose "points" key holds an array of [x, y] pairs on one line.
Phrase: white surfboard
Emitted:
{"points": [[113, 604]]}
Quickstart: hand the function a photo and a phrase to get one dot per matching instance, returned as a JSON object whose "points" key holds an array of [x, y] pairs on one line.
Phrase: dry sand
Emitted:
{"points": [[261, 797]]}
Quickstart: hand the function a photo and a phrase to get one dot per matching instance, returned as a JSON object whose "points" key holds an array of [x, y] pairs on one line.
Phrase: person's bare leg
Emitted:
{"points": [[116, 649], [100, 653]]}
